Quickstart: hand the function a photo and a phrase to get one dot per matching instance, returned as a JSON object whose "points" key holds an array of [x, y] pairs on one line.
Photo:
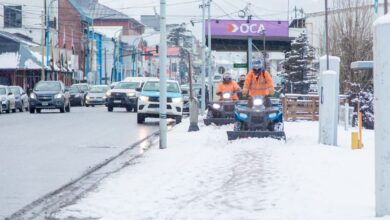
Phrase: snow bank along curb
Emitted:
{"points": [[201, 175], [75, 189]]}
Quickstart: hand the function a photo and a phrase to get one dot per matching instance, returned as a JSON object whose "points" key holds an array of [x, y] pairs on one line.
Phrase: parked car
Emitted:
{"points": [[21, 98], [77, 96], [149, 101], [84, 87], [125, 94], [7, 99], [185, 91], [96, 95], [49, 95]]}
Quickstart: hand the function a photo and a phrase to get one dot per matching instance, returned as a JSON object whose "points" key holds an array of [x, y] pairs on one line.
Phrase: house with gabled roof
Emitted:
{"points": [[76, 21]]}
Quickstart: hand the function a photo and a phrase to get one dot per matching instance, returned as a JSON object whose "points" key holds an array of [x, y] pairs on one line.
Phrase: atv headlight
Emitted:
{"points": [[272, 115], [144, 98], [226, 95], [216, 106], [243, 116], [258, 102], [176, 100]]}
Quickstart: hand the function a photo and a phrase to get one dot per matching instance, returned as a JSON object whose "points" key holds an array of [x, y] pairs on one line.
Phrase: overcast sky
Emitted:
{"points": [[184, 10]]}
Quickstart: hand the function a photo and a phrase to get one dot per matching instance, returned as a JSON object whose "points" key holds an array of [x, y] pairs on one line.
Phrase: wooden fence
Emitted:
{"points": [[302, 107]]}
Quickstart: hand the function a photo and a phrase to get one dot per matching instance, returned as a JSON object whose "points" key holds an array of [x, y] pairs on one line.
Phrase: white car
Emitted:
{"points": [[149, 101], [7, 99], [125, 94]]}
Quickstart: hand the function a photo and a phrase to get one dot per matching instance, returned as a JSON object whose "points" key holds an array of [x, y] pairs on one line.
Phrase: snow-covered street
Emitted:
{"points": [[203, 176], [40, 153]]}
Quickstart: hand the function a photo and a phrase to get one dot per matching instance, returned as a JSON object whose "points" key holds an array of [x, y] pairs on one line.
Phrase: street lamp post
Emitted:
{"points": [[163, 85]]}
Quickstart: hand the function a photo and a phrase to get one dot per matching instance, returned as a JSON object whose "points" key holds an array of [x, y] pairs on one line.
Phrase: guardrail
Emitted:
{"points": [[303, 107]]}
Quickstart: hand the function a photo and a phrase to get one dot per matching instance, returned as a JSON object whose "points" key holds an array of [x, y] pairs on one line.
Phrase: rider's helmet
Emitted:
{"points": [[227, 78], [257, 65]]}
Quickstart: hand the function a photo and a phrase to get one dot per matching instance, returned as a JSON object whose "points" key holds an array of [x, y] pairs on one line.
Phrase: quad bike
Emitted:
{"points": [[258, 118], [221, 112]]}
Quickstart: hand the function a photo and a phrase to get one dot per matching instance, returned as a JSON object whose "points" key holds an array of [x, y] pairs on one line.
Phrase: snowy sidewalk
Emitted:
{"points": [[203, 176]]}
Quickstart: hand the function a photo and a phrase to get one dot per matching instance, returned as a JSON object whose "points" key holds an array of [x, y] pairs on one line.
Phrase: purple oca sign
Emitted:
{"points": [[244, 29]]}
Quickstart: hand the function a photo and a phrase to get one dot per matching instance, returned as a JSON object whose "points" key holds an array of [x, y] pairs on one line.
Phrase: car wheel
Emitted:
{"points": [[14, 110], [62, 109], [8, 109], [129, 109], [86, 105], [135, 109], [110, 109], [67, 109], [140, 119], [39, 111], [178, 119], [93, 105]]}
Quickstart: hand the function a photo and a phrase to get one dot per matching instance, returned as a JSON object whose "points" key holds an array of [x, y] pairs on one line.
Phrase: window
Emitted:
{"points": [[12, 16]]}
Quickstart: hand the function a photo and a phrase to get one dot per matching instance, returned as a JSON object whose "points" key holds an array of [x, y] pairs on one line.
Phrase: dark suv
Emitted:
{"points": [[49, 95]]}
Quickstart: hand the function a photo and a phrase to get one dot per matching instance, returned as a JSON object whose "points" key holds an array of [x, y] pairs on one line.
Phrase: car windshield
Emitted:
{"points": [[127, 85], [15, 91], [83, 88], [155, 87], [74, 89], [48, 86], [98, 89], [3, 91]]}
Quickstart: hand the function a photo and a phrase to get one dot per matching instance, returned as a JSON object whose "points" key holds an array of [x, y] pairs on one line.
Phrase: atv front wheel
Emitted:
{"points": [[237, 126]]}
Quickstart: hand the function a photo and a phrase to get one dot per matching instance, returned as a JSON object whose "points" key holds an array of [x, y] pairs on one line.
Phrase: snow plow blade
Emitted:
{"points": [[234, 135], [218, 121]]}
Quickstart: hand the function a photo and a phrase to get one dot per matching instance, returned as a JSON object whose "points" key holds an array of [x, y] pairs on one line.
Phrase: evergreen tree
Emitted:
{"points": [[298, 71]]}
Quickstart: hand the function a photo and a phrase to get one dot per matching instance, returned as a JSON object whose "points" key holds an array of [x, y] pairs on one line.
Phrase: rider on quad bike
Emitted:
{"points": [[258, 82], [228, 87]]}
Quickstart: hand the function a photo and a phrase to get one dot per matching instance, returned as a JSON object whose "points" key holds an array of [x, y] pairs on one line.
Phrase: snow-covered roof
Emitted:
{"points": [[23, 59], [18, 39], [95, 10]]}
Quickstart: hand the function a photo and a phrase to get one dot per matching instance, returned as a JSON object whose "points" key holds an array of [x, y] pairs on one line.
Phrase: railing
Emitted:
{"points": [[302, 107]]}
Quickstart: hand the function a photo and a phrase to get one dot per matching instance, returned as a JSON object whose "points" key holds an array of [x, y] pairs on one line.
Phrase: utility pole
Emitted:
{"points": [[42, 47], [209, 51], [203, 101], [327, 34], [163, 82], [105, 65]]}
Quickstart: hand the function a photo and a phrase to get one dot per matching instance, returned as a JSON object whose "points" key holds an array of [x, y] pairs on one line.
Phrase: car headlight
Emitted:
{"points": [[108, 94], [176, 100], [88, 98], [33, 96], [104, 97], [144, 98], [243, 116], [226, 95], [216, 106], [58, 96], [257, 102], [77, 95], [131, 94]]}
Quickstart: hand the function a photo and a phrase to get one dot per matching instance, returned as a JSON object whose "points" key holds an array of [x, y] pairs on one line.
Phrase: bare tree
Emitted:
{"points": [[350, 38]]}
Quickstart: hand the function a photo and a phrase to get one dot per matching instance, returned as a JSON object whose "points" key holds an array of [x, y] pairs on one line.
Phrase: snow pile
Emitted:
{"points": [[203, 176], [9, 60]]}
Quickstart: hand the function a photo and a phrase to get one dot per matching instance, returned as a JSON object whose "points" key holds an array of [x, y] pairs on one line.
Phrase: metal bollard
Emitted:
{"points": [[194, 113]]}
